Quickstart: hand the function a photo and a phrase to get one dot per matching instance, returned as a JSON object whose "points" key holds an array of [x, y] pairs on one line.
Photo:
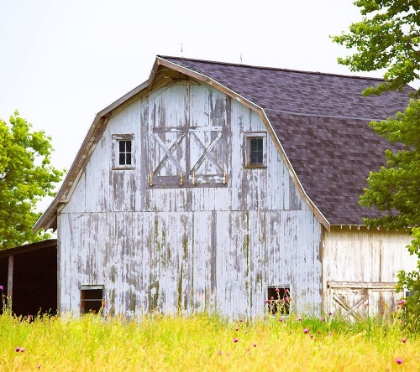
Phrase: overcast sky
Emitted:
{"points": [[64, 61]]}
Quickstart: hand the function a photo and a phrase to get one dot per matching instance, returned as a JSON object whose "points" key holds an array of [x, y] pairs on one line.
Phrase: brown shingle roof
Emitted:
{"points": [[321, 121]]}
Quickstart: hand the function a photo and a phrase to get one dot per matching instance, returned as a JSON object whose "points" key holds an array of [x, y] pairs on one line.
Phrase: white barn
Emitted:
{"points": [[212, 184]]}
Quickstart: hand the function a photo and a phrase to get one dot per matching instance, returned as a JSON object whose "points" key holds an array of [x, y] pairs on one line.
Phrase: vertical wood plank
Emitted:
{"points": [[10, 268]]}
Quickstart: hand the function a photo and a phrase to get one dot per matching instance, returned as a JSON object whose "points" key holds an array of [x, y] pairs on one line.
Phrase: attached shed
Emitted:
{"points": [[212, 184], [28, 275]]}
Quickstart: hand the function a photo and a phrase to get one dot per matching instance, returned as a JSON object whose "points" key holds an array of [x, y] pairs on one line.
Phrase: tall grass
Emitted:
{"points": [[204, 343]]}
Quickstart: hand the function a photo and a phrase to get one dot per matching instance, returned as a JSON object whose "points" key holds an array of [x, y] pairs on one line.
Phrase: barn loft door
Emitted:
{"points": [[188, 156]]}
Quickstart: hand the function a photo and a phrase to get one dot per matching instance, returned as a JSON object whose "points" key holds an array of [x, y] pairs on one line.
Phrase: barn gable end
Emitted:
{"points": [[209, 240]]}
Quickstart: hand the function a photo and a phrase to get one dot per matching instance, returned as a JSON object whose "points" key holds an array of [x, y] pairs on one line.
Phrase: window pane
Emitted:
{"points": [[254, 144], [128, 146], [92, 294], [91, 307], [122, 159], [256, 154], [254, 158], [128, 159], [122, 146]]}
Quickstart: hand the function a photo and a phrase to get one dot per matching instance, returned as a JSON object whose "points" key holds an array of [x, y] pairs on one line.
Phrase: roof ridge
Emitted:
{"points": [[270, 68]]}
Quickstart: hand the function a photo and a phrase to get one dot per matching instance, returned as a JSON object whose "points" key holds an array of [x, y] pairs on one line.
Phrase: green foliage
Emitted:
{"points": [[394, 189], [388, 38], [26, 176]]}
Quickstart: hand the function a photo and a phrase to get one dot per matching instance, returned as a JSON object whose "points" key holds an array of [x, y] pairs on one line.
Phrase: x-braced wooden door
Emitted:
{"points": [[188, 156]]}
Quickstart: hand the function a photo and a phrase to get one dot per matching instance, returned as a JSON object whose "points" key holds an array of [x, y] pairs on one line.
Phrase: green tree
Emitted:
{"points": [[26, 176], [388, 38]]}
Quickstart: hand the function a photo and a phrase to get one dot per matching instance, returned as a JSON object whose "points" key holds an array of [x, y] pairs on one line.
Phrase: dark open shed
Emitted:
{"points": [[28, 275]]}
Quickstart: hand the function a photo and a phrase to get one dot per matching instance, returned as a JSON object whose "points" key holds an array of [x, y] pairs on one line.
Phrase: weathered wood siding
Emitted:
{"points": [[363, 264], [213, 245]]}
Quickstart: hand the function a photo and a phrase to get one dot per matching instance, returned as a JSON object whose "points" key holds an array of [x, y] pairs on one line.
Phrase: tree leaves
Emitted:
{"points": [[25, 177], [388, 37]]}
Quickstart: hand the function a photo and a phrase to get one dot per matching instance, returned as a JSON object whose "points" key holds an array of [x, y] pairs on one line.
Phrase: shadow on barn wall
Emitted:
{"points": [[30, 273]]}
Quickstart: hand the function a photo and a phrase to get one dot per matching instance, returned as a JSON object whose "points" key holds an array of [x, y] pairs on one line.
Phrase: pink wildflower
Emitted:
{"points": [[266, 301], [401, 302], [323, 319], [404, 340], [17, 349], [240, 320], [1, 287], [281, 320], [299, 319], [277, 290], [305, 331], [399, 360], [235, 340], [311, 336], [255, 345]]}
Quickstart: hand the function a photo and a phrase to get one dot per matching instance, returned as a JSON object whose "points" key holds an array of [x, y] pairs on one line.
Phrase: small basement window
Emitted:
{"points": [[279, 299], [255, 148], [91, 299]]}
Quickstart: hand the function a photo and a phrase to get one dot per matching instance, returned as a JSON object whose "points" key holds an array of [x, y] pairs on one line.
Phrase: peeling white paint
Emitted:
{"points": [[370, 258], [210, 246]]}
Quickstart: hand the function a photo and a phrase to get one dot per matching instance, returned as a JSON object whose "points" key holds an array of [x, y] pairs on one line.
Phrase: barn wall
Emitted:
{"points": [[372, 258], [213, 245]]}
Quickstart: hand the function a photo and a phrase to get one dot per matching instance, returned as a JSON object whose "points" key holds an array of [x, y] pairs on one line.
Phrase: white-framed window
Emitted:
{"points": [[91, 298], [123, 151], [279, 299], [255, 150]]}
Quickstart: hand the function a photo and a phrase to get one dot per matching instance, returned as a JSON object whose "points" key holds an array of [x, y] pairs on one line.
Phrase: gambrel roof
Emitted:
{"points": [[319, 122]]}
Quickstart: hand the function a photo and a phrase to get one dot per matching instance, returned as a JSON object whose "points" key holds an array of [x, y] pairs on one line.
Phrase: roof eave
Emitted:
{"points": [[49, 217]]}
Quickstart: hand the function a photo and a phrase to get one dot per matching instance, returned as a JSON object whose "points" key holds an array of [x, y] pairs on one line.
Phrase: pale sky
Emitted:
{"points": [[63, 61]]}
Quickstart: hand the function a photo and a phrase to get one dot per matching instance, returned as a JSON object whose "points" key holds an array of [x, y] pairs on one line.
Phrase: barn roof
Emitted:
{"points": [[319, 120]]}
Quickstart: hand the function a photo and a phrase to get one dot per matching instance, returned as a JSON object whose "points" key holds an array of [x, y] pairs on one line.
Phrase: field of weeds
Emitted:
{"points": [[204, 343]]}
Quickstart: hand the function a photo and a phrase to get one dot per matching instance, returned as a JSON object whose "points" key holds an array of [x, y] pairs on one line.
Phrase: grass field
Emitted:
{"points": [[204, 343]]}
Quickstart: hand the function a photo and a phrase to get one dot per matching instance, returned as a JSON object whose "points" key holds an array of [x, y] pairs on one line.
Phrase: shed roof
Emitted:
{"points": [[320, 121]]}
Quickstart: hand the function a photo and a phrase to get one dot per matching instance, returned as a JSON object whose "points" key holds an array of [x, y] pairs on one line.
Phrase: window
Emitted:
{"points": [[124, 157], [123, 151], [255, 152], [279, 299], [91, 298]]}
